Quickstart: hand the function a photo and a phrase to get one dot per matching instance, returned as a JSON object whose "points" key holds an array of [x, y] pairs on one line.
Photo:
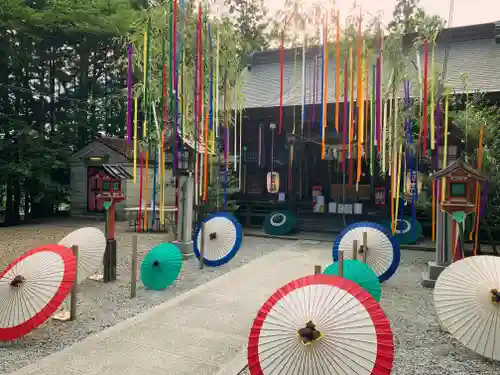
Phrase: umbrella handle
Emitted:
{"points": [[495, 296], [17, 281]]}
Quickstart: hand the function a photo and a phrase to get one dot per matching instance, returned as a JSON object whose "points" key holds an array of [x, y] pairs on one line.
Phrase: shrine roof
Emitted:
{"points": [[460, 164], [117, 171]]}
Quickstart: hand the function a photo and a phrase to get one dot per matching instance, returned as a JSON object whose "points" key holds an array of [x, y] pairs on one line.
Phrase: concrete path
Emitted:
{"points": [[201, 332]]}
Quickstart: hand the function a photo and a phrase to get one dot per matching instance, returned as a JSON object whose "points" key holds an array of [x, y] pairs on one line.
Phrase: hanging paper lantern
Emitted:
{"points": [[279, 223], [273, 182]]}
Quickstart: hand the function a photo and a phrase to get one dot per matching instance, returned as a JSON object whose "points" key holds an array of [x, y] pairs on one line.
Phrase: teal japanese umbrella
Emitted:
{"points": [[359, 273], [407, 231], [279, 223], [161, 266]]}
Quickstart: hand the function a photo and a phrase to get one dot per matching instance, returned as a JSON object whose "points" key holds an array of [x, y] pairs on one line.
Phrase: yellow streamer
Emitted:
{"points": [[144, 69], [433, 98], [398, 185], [135, 140]]}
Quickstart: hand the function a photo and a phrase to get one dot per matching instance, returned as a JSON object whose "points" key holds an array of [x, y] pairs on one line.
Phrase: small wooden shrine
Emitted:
{"points": [[111, 194], [460, 179]]}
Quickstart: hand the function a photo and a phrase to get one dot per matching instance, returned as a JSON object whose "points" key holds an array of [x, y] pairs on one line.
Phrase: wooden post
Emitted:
{"points": [[341, 263], [355, 249], [317, 270], [202, 242], [133, 273], [74, 288], [365, 246]]}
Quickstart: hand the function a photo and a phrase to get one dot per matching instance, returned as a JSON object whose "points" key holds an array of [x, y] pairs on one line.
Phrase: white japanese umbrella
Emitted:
{"points": [[467, 301], [91, 246], [33, 287], [321, 325]]}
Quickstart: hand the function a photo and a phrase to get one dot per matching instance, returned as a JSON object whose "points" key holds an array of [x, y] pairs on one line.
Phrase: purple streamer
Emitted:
{"points": [[129, 96], [482, 207], [377, 103], [437, 132]]}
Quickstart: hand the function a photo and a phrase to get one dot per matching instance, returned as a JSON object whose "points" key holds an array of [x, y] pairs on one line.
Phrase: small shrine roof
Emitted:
{"points": [[460, 164], [117, 171]]}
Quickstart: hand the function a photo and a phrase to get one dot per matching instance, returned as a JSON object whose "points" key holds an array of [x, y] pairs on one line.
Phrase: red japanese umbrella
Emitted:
{"points": [[321, 325], [33, 287]]}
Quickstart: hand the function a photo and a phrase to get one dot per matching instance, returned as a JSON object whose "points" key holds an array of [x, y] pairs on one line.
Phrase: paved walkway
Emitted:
{"points": [[201, 332]]}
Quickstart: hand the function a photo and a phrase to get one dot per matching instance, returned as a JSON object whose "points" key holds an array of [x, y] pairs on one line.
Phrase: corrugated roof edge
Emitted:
{"points": [[461, 33]]}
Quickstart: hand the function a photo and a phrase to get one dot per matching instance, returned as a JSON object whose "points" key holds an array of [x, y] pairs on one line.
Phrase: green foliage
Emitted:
{"points": [[470, 113], [409, 18], [248, 18], [63, 82]]}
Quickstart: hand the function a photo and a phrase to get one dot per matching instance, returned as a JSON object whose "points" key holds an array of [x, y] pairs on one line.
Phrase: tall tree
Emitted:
{"points": [[250, 20], [410, 18], [58, 89]]}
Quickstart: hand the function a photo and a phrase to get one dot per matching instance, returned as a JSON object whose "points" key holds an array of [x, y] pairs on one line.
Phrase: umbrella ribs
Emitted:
{"points": [[309, 333]]}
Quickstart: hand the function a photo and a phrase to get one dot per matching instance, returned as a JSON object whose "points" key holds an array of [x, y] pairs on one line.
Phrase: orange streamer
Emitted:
{"points": [[359, 100], [325, 86], [337, 74], [367, 104], [478, 188], [351, 117]]}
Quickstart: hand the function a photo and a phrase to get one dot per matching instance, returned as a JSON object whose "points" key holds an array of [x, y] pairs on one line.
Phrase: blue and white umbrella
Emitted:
{"points": [[383, 254], [222, 236]]}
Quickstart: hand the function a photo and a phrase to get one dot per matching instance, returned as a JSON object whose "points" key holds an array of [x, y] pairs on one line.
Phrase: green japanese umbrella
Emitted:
{"points": [[161, 266], [407, 231], [359, 273], [279, 223]]}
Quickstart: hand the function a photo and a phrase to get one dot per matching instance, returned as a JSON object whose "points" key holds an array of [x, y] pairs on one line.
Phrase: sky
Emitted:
{"points": [[466, 12]]}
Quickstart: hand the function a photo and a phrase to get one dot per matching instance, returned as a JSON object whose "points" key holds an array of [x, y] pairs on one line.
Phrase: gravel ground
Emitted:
{"points": [[103, 305], [421, 347]]}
